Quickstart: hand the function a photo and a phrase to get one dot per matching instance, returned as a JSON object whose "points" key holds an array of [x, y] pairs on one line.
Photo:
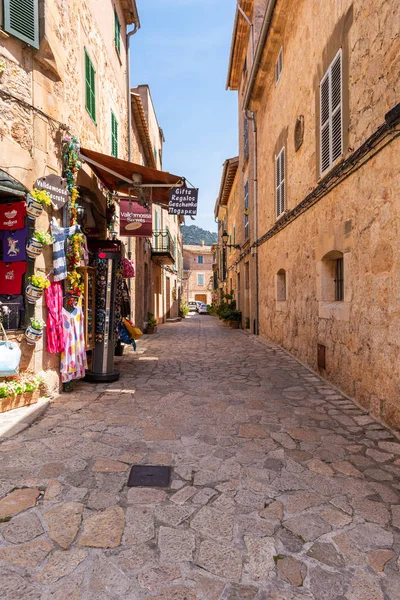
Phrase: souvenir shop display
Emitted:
{"points": [[15, 307], [106, 259], [34, 331], [12, 216], [73, 359], [128, 268], [14, 243], [11, 275], [10, 355], [55, 329], [60, 235], [35, 245], [89, 304]]}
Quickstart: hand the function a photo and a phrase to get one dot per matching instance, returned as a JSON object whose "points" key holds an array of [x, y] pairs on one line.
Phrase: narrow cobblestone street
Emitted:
{"points": [[281, 488]]}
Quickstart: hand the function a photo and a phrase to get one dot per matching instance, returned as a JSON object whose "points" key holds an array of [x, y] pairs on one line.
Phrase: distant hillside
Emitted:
{"points": [[193, 235]]}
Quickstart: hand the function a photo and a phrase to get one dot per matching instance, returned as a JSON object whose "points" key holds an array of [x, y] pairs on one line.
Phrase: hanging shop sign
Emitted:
{"points": [[135, 220], [183, 201], [56, 187]]}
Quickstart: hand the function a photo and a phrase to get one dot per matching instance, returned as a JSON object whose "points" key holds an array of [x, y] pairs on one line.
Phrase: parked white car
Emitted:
{"points": [[192, 306], [203, 310]]}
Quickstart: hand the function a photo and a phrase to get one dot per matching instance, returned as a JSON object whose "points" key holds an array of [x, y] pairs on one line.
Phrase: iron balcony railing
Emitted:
{"points": [[162, 243]]}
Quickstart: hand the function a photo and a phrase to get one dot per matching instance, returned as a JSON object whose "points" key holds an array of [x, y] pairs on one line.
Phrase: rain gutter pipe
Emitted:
{"points": [[129, 35], [252, 117]]}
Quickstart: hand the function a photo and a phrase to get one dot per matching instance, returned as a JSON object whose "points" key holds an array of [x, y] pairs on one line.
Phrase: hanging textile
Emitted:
{"points": [[73, 359], [55, 329], [60, 235]]}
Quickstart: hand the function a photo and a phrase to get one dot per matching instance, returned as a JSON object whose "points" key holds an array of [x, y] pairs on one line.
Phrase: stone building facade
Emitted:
{"points": [[43, 96], [198, 273], [318, 82], [159, 279]]}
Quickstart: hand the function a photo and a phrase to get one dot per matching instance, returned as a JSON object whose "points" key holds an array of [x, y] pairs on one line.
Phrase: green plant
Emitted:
{"points": [[14, 386], [39, 281], [43, 237], [37, 323], [183, 310], [41, 196], [151, 322], [247, 323], [234, 315]]}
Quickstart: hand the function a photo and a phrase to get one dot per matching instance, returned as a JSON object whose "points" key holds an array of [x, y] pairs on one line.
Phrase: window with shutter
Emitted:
{"points": [[331, 128], [246, 138], [90, 80], [279, 66], [21, 19], [280, 183], [246, 211], [117, 32], [114, 135]]}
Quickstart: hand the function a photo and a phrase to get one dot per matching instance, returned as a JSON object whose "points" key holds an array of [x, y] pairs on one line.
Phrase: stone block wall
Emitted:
{"points": [[52, 80]]}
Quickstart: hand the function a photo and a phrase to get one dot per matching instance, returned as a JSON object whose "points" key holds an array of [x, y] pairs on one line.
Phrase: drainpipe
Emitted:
{"points": [[135, 29], [252, 117]]}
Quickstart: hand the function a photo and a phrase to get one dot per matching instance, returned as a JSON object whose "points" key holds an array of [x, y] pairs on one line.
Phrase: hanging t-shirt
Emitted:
{"points": [[12, 216], [14, 244], [11, 277], [12, 316]]}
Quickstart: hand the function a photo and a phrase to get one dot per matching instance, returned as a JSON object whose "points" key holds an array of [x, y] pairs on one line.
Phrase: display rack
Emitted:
{"points": [[89, 304]]}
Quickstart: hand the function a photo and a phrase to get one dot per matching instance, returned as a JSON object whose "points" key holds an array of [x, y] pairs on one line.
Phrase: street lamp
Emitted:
{"points": [[225, 238]]}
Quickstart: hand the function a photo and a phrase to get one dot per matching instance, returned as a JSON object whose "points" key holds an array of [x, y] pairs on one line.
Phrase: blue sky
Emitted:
{"points": [[182, 52]]}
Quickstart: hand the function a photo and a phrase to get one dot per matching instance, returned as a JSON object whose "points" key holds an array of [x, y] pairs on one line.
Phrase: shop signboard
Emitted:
{"points": [[56, 187], [135, 220], [183, 201]]}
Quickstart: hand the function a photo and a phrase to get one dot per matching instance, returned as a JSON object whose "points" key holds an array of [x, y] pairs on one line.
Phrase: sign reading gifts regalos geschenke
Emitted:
{"points": [[134, 220], [56, 187], [183, 201]]}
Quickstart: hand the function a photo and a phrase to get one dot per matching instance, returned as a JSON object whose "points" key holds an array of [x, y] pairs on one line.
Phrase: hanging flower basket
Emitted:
{"points": [[33, 293], [33, 248], [33, 208], [33, 335], [35, 202], [35, 245]]}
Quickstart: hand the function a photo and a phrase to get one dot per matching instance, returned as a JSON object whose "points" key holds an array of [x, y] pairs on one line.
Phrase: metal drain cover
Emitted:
{"points": [[149, 476]]}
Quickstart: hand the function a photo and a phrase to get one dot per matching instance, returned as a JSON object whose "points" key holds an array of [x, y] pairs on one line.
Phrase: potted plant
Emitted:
{"points": [[37, 284], [235, 318], [35, 201], [151, 323], [39, 239], [34, 331], [20, 390]]}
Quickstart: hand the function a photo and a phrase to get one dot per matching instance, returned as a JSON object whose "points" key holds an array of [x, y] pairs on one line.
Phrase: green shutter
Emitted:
{"points": [[117, 31], [21, 19], [90, 80], [114, 135]]}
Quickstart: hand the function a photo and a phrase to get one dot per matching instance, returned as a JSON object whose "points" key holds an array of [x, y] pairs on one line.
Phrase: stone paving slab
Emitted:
{"points": [[282, 489]]}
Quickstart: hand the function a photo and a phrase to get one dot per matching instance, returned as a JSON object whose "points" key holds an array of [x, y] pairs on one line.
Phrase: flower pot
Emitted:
{"points": [[151, 330], [33, 208], [33, 248], [33, 335], [33, 293], [235, 324]]}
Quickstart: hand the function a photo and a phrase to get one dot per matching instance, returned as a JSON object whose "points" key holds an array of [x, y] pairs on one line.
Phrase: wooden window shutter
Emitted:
{"points": [[331, 136], [114, 135], [21, 19], [280, 182], [90, 82], [117, 31], [279, 66]]}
